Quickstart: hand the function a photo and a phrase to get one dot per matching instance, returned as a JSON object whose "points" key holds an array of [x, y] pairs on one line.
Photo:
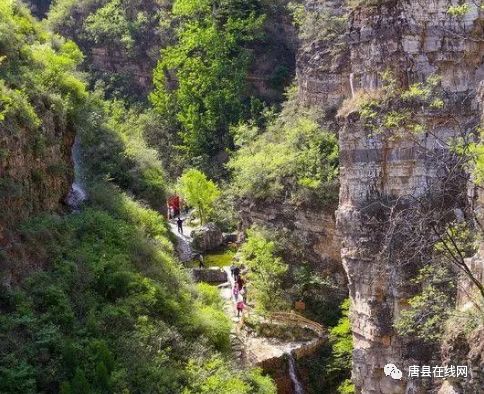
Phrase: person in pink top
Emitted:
{"points": [[235, 292]]}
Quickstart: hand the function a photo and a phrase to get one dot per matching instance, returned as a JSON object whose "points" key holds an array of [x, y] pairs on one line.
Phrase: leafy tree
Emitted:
{"points": [[292, 158], [199, 192], [429, 310], [200, 80], [266, 271]]}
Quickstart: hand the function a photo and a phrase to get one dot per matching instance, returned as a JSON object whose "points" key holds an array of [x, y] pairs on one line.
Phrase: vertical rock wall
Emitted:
{"points": [[412, 39], [36, 170]]}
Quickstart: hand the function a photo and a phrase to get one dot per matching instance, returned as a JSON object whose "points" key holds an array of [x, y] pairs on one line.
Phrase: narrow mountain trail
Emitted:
{"points": [[248, 348], [183, 241], [251, 349]]}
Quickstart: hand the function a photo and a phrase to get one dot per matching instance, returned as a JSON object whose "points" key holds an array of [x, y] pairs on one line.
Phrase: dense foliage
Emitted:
{"points": [[200, 80], [36, 73], [99, 304], [199, 193], [112, 312], [114, 147], [331, 368], [293, 158], [266, 272], [120, 38]]}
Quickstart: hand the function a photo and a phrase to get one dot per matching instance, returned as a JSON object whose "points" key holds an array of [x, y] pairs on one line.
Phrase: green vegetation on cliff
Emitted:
{"points": [[200, 80], [120, 38], [292, 158], [36, 71]]}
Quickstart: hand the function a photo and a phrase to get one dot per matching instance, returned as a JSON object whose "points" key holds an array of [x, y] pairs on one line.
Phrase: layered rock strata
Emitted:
{"points": [[413, 40]]}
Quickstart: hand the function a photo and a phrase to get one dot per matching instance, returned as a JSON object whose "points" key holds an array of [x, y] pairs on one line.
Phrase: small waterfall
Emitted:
{"points": [[298, 388], [77, 195], [352, 84]]}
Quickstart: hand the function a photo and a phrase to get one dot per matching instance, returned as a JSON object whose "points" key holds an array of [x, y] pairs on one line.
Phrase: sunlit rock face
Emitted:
{"points": [[36, 170], [413, 40], [310, 234]]}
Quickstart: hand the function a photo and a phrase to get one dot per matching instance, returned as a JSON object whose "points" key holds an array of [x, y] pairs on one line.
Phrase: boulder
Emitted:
{"points": [[230, 238], [210, 275], [206, 238]]}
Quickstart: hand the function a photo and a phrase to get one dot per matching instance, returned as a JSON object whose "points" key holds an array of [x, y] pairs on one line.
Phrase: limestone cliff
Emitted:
{"points": [[413, 40], [311, 234], [36, 170]]}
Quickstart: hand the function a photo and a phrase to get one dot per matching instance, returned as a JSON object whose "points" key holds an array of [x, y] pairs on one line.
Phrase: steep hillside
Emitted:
{"points": [[92, 301], [39, 96]]}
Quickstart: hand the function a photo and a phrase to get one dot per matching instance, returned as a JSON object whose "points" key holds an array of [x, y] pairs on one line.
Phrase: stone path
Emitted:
{"points": [[184, 241], [247, 349]]}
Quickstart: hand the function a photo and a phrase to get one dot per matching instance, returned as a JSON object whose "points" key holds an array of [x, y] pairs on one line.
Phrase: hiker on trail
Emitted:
{"points": [[174, 205], [243, 292], [240, 282], [236, 272], [240, 305], [179, 223], [235, 292]]}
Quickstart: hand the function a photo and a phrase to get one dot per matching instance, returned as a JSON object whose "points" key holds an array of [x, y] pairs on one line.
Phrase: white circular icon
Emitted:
{"points": [[393, 371]]}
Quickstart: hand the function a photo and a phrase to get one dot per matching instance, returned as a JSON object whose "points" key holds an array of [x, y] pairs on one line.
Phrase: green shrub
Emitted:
{"points": [[266, 272], [293, 158], [112, 295], [215, 377], [209, 295]]}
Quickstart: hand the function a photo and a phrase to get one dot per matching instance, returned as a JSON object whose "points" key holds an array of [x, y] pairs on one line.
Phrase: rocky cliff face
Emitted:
{"points": [[36, 169], [311, 234], [39, 7], [412, 40]]}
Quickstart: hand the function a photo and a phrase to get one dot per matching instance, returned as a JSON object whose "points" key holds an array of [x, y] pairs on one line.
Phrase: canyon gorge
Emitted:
{"points": [[349, 183]]}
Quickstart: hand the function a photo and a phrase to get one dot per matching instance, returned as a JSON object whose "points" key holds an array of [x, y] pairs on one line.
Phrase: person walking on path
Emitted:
{"points": [[236, 273], [179, 223], [240, 282], [201, 263], [235, 292], [240, 306]]}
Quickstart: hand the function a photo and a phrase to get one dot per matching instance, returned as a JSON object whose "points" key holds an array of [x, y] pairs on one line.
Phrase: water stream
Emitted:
{"points": [[77, 195], [298, 388]]}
